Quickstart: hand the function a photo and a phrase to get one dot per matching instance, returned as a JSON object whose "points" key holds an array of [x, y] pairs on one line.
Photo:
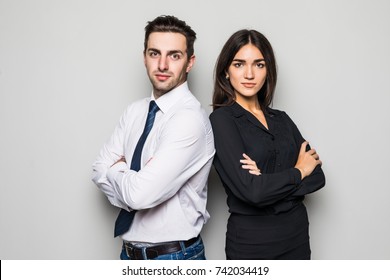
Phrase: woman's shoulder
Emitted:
{"points": [[280, 116], [222, 111], [223, 116], [275, 112]]}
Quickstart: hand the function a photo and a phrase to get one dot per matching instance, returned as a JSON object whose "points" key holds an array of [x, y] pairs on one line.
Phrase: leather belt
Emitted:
{"points": [[152, 252]]}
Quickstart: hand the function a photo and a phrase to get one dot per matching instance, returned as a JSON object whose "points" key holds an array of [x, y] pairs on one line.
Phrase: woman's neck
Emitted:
{"points": [[252, 105]]}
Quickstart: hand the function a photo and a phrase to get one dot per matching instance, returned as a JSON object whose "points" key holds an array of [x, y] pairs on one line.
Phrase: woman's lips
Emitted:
{"points": [[249, 85]]}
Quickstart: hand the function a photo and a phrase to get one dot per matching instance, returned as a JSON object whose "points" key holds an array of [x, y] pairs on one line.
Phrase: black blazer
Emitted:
{"points": [[275, 150]]}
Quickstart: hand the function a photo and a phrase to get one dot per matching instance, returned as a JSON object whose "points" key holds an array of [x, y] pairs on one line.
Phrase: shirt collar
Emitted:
{"points": [[167, 100], [270, 114], [238, 111]]}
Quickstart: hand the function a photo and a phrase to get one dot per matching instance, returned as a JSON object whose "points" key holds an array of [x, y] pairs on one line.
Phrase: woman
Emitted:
{"points": [[264, 163]]}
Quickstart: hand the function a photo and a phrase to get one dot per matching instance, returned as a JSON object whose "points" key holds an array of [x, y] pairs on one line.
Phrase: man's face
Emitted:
{"points": [[166, 61]]}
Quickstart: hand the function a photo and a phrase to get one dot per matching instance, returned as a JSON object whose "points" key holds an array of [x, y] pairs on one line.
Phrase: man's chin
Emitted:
{"points": [[163, 85], [159, 91]]}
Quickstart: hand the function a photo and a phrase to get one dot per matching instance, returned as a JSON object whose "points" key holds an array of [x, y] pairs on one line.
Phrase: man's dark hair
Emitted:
{"points": [[171, 24]]}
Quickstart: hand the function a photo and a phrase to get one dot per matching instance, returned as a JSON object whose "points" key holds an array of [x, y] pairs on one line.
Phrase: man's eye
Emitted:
{"points": [[153, 54], [175, 56]]}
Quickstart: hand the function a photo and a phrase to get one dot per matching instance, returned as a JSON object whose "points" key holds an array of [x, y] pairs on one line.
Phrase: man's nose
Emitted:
{"points": [[163, 63]]}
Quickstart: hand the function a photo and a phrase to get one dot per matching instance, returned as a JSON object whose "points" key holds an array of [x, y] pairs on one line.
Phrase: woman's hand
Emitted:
{"points": [[307, 161], [250, 165]]}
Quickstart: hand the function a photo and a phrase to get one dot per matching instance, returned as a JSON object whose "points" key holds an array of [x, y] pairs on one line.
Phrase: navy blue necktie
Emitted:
{"points": [[123, 222]]}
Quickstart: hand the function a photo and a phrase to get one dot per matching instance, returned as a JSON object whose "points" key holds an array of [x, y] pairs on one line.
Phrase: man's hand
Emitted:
{"points": [[122, 159]]}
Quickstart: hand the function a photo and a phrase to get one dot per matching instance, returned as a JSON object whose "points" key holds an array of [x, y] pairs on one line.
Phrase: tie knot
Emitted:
{"points": [[153, 108]]}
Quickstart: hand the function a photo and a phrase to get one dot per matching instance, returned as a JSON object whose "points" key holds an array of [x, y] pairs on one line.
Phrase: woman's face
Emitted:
{"points": [[247, 72]]}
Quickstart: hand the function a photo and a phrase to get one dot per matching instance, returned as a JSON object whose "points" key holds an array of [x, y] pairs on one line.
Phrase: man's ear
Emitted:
{"points": [[190, 63]]}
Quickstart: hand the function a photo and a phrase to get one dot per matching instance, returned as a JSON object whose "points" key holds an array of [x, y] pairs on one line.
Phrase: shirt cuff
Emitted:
{"points": [[296, 176]]}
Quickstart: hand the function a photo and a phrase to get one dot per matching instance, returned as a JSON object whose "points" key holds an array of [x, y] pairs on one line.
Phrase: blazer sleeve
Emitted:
{"points": [[316, 180], [258, 191]]}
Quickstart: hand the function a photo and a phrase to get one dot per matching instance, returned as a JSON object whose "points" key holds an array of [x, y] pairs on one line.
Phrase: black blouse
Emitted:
{"points": [[275, 150]]}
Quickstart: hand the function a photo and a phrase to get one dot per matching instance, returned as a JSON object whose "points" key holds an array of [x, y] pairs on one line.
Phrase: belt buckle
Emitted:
{"points": [[129, 251]]}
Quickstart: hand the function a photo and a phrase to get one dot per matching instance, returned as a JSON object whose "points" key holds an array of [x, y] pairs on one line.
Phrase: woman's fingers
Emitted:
{"points": [[255, 172], [246, 156], [245, 161], [250, 165], [307, 160], [314, 154], [303, 147]]}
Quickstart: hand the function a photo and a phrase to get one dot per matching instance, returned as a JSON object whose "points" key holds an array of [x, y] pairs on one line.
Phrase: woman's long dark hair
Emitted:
{"points": [[223, 91]]}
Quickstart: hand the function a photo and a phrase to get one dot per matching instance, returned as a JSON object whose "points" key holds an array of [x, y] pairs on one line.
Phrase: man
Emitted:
{"points": [[156, 164]]}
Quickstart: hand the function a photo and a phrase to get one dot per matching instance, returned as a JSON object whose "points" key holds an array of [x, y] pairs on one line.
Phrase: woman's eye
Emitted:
{"points": [[260, 65], [237, 65]]}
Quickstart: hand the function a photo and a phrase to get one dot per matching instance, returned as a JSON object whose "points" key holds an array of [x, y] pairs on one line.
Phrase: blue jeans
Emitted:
{"points": [[193, 252]]}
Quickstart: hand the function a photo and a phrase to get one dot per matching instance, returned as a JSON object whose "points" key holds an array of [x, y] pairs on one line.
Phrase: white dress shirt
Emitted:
{"points": [[169, 192]]}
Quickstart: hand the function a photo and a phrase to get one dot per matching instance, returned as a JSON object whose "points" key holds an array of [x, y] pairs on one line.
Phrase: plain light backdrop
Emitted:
{"points": [[68, 69]]}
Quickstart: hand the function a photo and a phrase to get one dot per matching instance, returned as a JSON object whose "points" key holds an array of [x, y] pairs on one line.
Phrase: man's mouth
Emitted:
{"points": [[162, 77]]}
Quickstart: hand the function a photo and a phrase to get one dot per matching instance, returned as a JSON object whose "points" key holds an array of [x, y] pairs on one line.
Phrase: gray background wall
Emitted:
{"points": [[69, 68]]}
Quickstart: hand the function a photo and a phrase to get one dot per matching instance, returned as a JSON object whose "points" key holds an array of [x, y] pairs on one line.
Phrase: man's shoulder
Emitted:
{"points": [[189, 114], [189, 106], [190, 111], [138, 104]]}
